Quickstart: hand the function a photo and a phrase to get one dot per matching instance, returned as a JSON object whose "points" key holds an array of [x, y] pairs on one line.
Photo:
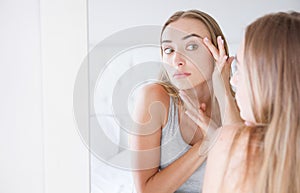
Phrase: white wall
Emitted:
{"points": [[42, 45], [105, 17], [21, 138], [64, 47]]}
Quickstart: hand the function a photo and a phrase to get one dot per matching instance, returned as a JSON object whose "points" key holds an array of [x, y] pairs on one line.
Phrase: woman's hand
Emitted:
{"points": [[221, 82], [206, 124], [221, 74]]}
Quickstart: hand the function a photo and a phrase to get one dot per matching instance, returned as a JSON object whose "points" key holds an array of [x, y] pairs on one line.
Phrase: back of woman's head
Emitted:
{"points": [[271, 55], [272, 72]]}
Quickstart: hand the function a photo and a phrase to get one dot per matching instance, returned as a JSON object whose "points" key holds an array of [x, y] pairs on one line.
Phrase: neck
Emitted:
{"points": [[201, 93]]}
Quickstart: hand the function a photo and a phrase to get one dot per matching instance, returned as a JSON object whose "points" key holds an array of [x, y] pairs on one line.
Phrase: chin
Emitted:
{"points": [[182, 85]]}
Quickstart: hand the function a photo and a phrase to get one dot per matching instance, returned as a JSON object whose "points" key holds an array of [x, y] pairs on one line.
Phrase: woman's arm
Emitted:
{"points": [[151, 113], [221, 83]]}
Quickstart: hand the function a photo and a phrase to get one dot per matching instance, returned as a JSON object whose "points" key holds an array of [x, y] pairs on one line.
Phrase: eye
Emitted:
{"points": [[191, 47], [168, 50]]}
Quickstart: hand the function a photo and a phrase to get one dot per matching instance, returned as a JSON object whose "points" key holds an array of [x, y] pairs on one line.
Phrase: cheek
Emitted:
{"points": [[165, 59], [203, 62], [240, 100], [167, 65], [239, 95], [243, 102]]}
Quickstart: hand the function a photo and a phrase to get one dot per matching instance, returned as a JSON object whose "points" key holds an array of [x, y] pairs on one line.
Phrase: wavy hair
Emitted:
{"points": [[214, 31], [272, 74]]}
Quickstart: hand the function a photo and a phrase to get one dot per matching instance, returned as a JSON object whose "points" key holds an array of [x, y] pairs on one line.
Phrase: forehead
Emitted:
{"points": [[185, 26]]}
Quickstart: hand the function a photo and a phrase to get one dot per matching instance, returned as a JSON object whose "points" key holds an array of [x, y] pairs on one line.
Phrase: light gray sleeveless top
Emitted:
{"points": [[173, 146]]}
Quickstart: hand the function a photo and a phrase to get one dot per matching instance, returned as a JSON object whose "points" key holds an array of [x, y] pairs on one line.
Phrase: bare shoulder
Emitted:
{"points": [[230, 142], [226, 160], [153, 100], [225, 138], [153, 92], [227, 131]]}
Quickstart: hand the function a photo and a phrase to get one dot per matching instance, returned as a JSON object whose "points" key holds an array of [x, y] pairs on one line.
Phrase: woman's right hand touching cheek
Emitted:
{"points": [[221, 74]]}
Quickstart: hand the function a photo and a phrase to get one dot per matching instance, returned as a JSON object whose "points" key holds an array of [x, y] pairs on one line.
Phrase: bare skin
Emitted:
{"points": [[223, 174], [151, 111], [153, 180]]}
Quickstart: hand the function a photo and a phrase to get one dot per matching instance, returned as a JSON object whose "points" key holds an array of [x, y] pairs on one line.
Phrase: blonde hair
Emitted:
{"points": [[214, 31], [272, 74]]}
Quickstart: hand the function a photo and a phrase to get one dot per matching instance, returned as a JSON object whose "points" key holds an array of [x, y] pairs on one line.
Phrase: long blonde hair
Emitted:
{"points": [[214, 30], [272, 74]]}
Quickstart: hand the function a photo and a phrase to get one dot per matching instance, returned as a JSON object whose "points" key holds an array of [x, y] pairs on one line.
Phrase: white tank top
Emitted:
{"points": [[173, 147]]}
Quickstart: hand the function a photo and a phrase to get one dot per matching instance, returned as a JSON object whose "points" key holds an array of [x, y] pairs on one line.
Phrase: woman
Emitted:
{"points": [[263, 154], [167, 140]]}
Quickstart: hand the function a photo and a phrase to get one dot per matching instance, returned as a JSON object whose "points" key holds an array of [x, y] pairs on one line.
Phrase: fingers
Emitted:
{"points": [[199, 109], [218, 54], [203, 107], [194, 103], [230, 60], [226, 67], [221, 46], [196, 119], [212, 48], [222, 53], [195, 112], [207, 125]]}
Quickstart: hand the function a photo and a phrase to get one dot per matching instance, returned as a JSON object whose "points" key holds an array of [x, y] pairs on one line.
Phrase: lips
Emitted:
{"points": [[181, 74]]}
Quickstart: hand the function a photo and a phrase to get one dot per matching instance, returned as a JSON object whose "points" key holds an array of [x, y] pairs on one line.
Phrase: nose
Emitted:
{"points": [[178, 60]]}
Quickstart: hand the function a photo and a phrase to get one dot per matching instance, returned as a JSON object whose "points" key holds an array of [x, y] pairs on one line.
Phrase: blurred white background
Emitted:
{"points": [[42, 45]]}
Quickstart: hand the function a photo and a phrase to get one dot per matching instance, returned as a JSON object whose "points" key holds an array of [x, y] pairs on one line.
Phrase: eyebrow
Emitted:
{"points": [[184, 38], [191, 35], [166, 41]]}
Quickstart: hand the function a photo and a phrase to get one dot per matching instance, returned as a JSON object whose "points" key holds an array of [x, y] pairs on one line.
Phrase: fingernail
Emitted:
{"points": [[221, 39], [206, 39]]}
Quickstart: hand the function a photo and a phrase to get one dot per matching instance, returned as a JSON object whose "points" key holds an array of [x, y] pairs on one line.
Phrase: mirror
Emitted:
{"points": [[124, 40]]}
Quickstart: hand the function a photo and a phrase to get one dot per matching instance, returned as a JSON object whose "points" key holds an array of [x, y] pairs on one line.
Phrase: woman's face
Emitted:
{"points": [[186, 59], [239, 82]]}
